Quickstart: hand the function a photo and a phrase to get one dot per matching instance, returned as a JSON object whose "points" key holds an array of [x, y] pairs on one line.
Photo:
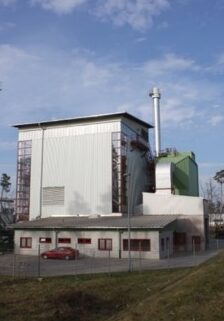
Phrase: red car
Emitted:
{"points": [[63, 252]]}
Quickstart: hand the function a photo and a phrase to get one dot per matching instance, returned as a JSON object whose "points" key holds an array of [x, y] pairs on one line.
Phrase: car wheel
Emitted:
{"points": [[67, 257], [45, 257]]}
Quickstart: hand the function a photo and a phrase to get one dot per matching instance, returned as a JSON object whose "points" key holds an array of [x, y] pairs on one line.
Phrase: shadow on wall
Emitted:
{"points": [[105, 204], [78, 205], [190, 225]]}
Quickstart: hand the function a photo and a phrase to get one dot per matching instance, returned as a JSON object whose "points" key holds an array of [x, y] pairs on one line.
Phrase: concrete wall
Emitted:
{"points": [[92, 249], [154, 204], [191, 213]]}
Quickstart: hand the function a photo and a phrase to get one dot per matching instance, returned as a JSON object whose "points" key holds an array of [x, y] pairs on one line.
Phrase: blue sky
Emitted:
{"points": [[67, 58]]}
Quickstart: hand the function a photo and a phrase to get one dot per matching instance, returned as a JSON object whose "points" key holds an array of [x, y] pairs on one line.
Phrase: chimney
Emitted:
{"points": [[155, 94]]}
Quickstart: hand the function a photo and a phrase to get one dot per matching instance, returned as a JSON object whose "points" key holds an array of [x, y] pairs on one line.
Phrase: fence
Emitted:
{"points": [[24, 266]]}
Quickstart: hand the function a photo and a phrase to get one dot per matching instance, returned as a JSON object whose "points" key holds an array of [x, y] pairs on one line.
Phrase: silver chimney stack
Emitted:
{"points": [[155, 94]]}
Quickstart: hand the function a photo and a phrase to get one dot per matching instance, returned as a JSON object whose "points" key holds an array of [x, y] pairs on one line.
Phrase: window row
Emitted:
{"points": [[104, 244]]}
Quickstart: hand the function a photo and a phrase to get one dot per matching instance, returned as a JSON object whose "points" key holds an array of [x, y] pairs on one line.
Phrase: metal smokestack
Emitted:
{"points": [[155, 94]]}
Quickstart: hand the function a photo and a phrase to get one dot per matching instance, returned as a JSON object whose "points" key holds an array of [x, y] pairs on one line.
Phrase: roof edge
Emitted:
{"points": [[84, 118]]}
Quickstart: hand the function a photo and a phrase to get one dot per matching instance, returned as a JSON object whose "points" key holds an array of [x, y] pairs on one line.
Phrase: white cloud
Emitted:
{"points": [[220, 60], [59, 6], [41, 84], [176, 111], [138, 14], [168, 63], [57, 85], [216, 119], [7, 2], [11, 56]]}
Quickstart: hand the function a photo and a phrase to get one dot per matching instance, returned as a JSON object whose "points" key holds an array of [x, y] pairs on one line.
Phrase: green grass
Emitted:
{"points": [[179, 295]]}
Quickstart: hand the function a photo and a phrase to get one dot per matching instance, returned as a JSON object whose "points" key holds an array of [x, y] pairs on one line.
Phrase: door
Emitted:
{"points": [[196, 243]]}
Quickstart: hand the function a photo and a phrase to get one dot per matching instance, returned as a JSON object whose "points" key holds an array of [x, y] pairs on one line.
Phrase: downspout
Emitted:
{"points": [[41, 170]]}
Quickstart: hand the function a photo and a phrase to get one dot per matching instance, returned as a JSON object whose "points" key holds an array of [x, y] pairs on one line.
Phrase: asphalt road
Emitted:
{"points": [[33, 266]]}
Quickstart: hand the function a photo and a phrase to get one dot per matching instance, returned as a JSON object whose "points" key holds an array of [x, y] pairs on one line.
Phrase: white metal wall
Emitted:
{"points": [[78, 158]]}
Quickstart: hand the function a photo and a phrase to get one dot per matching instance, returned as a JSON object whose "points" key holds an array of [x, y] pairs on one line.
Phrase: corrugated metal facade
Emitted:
{"points": [[77, 158]]}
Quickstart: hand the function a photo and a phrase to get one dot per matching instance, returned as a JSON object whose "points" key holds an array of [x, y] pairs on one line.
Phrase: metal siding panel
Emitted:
{"points": [[83, 165], [79, 161], [77, 130], [30, 134]]}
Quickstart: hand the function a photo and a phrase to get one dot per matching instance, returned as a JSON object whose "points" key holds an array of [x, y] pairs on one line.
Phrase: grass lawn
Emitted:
{"points": [[179, 294]]}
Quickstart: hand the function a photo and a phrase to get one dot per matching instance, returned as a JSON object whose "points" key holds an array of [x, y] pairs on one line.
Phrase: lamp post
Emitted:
{"points": [[127, 175]]}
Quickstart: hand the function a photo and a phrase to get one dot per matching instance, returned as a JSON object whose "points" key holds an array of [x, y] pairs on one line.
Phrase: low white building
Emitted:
{"points": [[151, 237]]}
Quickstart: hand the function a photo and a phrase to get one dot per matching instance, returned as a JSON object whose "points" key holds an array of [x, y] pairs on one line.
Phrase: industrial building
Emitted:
{"points": [[94, 183]]}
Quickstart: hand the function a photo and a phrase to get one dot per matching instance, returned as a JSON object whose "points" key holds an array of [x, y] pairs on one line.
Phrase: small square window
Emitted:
{"points": [[45, 240], [105, 244], [26, 242], [137, 245], [84, 241], [64, 240]]}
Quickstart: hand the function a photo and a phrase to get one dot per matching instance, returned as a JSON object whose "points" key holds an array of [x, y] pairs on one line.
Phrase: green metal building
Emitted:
{"points": [[185, 174]]}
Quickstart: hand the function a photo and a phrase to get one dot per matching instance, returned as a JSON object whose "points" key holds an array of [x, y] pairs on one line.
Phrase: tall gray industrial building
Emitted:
{"points": [[79, 179]]}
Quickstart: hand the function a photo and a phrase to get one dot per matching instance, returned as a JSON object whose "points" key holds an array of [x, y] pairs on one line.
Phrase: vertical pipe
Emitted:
{"points": [[129, 223], [155, 94], [41, 170], [127, 175]]}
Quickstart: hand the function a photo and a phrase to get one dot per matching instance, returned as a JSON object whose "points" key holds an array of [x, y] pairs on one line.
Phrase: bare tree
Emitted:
{"points": [[219, 178], [5, 186], [209, 191]]}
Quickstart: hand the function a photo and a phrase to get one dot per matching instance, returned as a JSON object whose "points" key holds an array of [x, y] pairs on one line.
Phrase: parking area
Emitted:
{"points": [[34, 266]]}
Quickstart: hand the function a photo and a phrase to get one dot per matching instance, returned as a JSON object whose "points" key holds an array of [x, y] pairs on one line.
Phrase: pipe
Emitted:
{"points": [[155, 94], [41, 170]]}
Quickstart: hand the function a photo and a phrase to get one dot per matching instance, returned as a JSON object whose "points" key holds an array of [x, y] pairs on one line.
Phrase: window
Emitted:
{"points": [[162, 244], [45, 240], [105, 244], [64, 240], [84, 241], [26, 242], [137, 245], [167, 243]]}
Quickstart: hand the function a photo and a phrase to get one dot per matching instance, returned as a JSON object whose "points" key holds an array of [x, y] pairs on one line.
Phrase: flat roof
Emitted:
{"points": [[153, 222], [83, 119]]}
